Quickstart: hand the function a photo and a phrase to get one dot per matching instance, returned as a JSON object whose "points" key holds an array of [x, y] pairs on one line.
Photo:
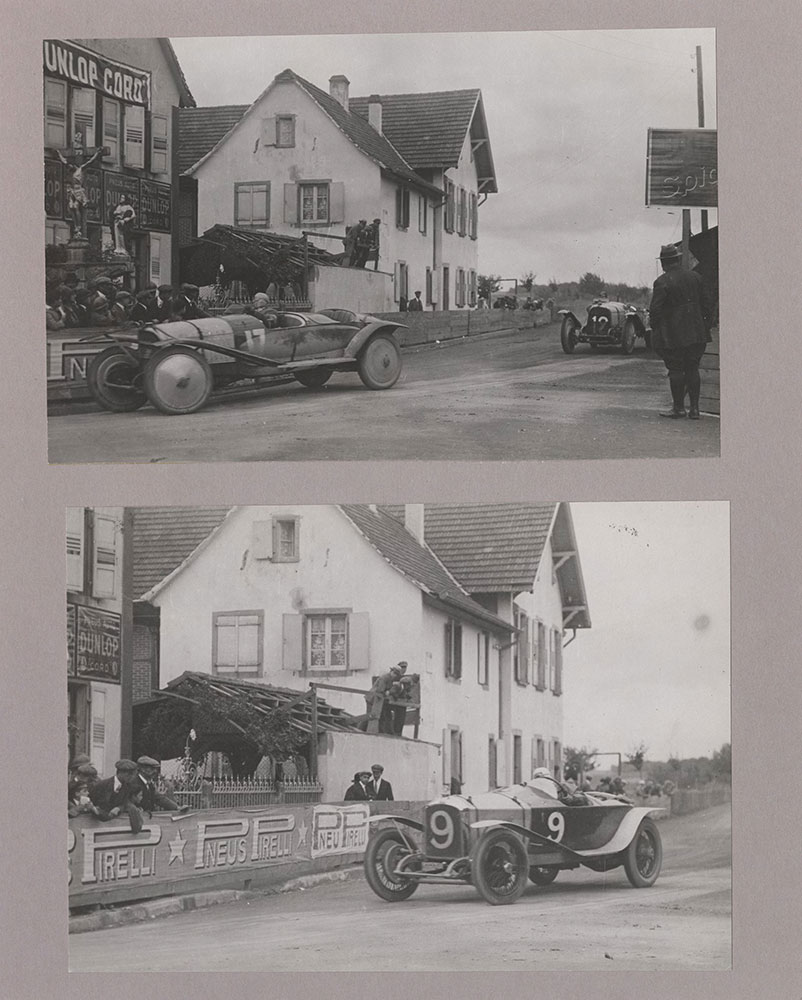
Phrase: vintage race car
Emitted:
{"points": [[609, 324], [175, 366], [497, 840]]}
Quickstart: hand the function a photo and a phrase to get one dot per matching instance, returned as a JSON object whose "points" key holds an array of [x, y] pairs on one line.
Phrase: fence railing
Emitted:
{"points": [[688, 800], [239, 794]]}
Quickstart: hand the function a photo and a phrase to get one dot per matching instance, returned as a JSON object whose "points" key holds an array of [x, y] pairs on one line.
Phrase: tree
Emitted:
{"points": [[553, 285], [487, 284], [578, 761], [591, 284], [528, 280], [637, 756], [722, 762]]}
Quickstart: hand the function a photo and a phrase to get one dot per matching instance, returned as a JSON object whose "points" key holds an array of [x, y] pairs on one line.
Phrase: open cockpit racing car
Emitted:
{"points": [[609, 324], [175, 366], [496, 840]]}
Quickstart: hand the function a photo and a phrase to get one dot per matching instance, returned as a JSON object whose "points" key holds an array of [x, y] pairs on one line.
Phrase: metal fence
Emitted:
{"points": [[239, 794]]}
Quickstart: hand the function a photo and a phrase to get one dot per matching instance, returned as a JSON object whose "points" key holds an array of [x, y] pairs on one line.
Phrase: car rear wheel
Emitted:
{"points": [[178, 380], [643, 858], [380, 363], [313, 378], [385, 850], [115, 381], [544, 875], [500, 867], [628, 337], [568, 334]]}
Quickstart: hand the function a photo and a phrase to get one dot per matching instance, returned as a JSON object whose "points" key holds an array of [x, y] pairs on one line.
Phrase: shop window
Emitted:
{"points": [[104, 556], [82, 122], [159, 145], [111, 131], [252, 204], [134, 136], [237, 643], [55, 113], [453, 650], [76, 534]]}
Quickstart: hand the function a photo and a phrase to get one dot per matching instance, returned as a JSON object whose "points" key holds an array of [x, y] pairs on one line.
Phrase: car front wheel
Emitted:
{"points": [[628, 337], [568, 334], [644, 856], [385, 850], [500, 867], [380, 362], [115, 380], [178, 380]]}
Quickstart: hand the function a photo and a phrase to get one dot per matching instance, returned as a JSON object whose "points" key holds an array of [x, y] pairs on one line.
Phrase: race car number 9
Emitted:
{"points": [[441, 829], [556, 824]]}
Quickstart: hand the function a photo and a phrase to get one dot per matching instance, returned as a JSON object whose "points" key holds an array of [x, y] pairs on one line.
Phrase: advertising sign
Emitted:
{"points": [[339, 829], [93, 185], [155, 206], [98, 644], [89, 69], [115, 185], [71, 640], [54, 189], [682, 167]]}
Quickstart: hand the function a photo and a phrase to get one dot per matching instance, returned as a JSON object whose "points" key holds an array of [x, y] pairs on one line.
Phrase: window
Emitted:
{"points": [[516, 758], [111, 131], [453, 652], [473, 216], [285, 130], [423, 213], [159, 145], [448, 215], [521, 649], [326, 642], [286, 547], [459, 288], [55, 113], [557, 686], [252, 204], [155, 259], [104, 556], [75, 548], [429, 287], [541, 657], [538, 752], [134, 136], [402, 207], [237, 643], [482, 658], [314, 202], [82, 121], [401, 281]]}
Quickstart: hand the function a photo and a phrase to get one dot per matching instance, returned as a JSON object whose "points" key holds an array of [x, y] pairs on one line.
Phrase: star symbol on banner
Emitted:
{"points": [[177, 848], [302, 830]]}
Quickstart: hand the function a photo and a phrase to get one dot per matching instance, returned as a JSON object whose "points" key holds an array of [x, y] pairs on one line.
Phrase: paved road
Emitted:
{"points": [[512, 396], [582, 921]]}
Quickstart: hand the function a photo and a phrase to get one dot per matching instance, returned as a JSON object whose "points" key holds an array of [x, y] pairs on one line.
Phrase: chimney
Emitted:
{"points": [[375, 112], [338, 88], [413, 520]]}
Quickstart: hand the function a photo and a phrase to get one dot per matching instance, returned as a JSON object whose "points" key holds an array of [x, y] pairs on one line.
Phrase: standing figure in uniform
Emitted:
{"points": [[680, 314]]}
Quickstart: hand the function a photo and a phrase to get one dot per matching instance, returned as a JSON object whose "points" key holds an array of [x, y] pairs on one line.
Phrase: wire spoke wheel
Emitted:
{"points": [[115, 380], [385, 851], [500, 867], [644, 856]]}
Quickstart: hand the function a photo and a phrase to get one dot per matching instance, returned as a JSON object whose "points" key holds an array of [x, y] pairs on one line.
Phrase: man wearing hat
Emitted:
{"points": [[147, 774], [376, 698], [146, 309], [120, 794], [378, 788], [357, 791], [681, 315]]}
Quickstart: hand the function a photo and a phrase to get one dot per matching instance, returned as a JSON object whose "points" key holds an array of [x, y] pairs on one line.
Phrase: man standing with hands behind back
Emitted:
{"points": [[379, 788]]}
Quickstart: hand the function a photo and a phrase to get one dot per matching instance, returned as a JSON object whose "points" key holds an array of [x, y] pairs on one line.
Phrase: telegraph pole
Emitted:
{"points": [[700, 102]]}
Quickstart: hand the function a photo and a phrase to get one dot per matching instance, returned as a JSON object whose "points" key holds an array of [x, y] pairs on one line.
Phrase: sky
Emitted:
{"points": [[655, 665], [567, 115]]}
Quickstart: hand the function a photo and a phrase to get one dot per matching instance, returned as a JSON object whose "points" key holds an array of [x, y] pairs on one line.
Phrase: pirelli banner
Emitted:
{"points": [[682, 167], [212, 848], [80, 66]]}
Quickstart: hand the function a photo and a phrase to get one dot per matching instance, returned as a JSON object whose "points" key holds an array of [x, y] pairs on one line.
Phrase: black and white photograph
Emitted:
{"points": [[471, 246], [298, 734]]}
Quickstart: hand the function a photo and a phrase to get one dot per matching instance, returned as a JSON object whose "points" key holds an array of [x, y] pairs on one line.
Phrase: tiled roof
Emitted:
{"points": [[487, 547], [427, 129], [391, 539], [164, 537], [200, 129]]}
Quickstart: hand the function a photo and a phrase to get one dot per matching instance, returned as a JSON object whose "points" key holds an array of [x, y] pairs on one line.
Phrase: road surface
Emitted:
{"points": [[512, 396], [583, 921]]}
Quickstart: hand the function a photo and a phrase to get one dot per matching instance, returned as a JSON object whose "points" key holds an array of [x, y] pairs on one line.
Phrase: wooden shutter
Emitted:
{"points": [[55, 113], [262, 540], [541, 656], [269, 131], [104, 556], [558, 662], [83, 115], [155, 259], [292, 643], [75, 548], [98, 728], [396, 281], [359, 641], [525, 651], [111, 130], [134, 136], [159, 145], [337, 202], [291, 203]]}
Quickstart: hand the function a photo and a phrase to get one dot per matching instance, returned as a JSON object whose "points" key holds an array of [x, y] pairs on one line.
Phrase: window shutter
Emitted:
{"points": [[337, 202], [457, 650], [75, 548], [541, 656], [262, 540], [83, 114], [523, 644], [134, 133], [98, 734], [558, 662], [155, 259], [292, 644], [55, 113], [291, 203], [359, 641], [269, 131], [104, 556], [111, 130], [159, 145]]}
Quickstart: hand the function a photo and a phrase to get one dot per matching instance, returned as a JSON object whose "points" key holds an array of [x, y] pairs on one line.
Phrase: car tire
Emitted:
{"points": [[313, 378], [643, 859], [500, 867], [385, 849], [178, 380], [115, 381], [380, 362], [568, 334], [628, 337], [543, 875]]}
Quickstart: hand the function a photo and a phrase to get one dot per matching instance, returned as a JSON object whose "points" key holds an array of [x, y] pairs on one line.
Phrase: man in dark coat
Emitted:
{"points": [[148, 769], [119, 794], [680, 314], [357, 791], [378, 788]]}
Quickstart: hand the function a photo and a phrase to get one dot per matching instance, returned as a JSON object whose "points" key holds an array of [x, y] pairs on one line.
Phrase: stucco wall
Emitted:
{"points": [[412, 767], [355, 288]]}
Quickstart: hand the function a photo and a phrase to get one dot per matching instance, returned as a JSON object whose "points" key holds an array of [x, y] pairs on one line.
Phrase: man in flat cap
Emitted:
{"points": [[120, 794], [378, 788], [681, 315], [152, 799], [376, 699]]}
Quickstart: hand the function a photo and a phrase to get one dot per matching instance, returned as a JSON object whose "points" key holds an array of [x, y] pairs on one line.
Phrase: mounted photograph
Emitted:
{"points": [[496, 246], [327, 738]]}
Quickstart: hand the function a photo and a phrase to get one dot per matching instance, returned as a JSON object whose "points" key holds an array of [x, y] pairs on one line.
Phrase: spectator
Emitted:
{"points": [[146, 308], [378, 788], [352, 234], [376, 699], [77, 761], [364, 240], [164, 303], [415, 305], [78, 799], [120, 794], [152, 799], [357, 791], [54, 319]]}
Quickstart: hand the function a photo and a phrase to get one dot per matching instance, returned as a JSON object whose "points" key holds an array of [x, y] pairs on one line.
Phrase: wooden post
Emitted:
{"points": [[686, 237]]}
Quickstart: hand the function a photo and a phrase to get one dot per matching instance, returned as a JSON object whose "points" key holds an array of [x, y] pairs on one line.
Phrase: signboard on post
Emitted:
{"points": [[682, 167]]}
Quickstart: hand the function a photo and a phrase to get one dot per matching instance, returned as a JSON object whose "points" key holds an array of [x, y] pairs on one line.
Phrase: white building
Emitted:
{"points": [[337, 594], [300, 159]]}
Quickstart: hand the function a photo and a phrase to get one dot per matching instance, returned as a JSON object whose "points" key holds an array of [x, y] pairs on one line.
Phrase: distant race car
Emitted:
{"points": [[175, 366], [608, 324], [497, 840]]}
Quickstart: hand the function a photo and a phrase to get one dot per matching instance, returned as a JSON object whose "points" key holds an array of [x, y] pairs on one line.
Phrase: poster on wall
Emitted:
{"points": [[98, 644], [115, 186], [155, 204], [682, 167]]}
